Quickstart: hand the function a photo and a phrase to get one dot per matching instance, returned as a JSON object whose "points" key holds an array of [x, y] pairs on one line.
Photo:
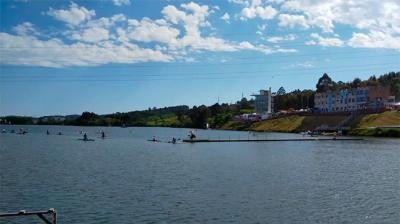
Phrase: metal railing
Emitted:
{"points": [[48, 217]]}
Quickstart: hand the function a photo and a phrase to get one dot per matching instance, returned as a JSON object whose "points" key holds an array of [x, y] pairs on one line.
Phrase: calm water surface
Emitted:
{"points": [[126, 179]]}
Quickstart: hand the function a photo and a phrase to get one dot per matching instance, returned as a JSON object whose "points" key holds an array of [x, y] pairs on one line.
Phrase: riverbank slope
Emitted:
{"points": [[382, 124], [385, 124]]}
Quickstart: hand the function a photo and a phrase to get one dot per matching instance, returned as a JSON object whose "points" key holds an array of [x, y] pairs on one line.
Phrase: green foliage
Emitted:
{"points": [[325, 83], [219, 120], [245, 104], [217, 115], [356, 83], [199, 116], [49, 121], [387, 118], [246, 111], [377, 132], [282, 124], [16, 120], [281, 91], [236, 125], [89, 119], [296, 100], [391, 79]]}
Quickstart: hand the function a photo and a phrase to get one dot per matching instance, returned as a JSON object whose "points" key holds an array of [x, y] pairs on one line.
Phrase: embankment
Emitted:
{"points": [[382, 124], [385, 124], [291, 123]]}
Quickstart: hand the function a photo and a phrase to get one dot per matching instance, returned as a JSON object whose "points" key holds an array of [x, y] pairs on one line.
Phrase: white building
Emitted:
{"points": [[361, 98], [263, 103]]}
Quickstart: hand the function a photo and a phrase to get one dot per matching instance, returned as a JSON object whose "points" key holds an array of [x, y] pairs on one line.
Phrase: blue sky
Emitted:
{"points": [[66, 57]]}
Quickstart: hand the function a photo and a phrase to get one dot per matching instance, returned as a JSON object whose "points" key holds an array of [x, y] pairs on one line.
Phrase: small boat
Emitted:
{"points": [[86, 140], [22, 131], [153, 140], [179, 141]]}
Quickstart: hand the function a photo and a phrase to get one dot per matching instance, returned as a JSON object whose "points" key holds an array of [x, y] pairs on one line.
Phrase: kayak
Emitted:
{"points": [[177, 142], [151, 140], [86, 140]]}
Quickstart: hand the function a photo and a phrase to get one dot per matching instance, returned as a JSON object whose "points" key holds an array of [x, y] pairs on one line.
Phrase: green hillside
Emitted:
{"points": [[385, 124]]}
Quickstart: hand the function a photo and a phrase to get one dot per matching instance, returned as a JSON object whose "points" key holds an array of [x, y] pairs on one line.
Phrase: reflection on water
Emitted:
{"points": [[127, 179]]}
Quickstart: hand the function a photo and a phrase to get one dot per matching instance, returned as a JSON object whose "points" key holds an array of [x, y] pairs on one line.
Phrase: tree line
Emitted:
{"points": [[215, 115], [391, 80]]}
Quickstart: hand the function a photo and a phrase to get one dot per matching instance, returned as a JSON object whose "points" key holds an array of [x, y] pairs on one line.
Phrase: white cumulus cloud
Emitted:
{"points": [[194, 18], [226, 17], [26, 28], [325, 42], [148, 30], [360, 14], [179, 33], [286, 20], [278, 39], [256, 9], [94, 34], [374, 39], [74, 15], [121, 2], [25, 50]]}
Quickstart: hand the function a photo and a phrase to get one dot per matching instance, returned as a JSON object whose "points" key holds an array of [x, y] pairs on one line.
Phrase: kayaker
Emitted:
{"points": [[192, 135]]}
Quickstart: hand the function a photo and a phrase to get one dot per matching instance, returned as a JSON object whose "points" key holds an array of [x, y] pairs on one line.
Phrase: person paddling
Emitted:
{"points": [[192, 136], [85, 138]]}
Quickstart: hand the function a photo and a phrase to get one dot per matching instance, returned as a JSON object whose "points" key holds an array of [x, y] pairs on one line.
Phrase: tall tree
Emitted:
{"points": [[356, 83], [281, 91], [325, 83]]}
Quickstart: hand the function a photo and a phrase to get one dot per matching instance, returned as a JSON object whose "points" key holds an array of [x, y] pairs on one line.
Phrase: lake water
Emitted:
{"points": [[127, 179]]}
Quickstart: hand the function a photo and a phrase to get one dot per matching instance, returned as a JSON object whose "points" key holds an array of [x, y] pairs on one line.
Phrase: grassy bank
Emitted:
{"points": [[376, 132], [296, 123], [380, 125], [235, 126], [364, 125], [388, 118], [282, 124]]}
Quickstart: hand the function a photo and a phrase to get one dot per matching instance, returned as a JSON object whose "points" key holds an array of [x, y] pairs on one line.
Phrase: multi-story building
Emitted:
{"points": [[263, 102], [369, 97]]}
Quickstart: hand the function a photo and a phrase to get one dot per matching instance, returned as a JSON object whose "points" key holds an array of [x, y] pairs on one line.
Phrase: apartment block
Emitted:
{"points": [[362, 98]]}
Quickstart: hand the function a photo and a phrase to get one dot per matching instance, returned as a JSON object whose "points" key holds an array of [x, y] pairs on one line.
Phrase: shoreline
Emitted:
{"points": [[364, 132], [386, 124]]}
